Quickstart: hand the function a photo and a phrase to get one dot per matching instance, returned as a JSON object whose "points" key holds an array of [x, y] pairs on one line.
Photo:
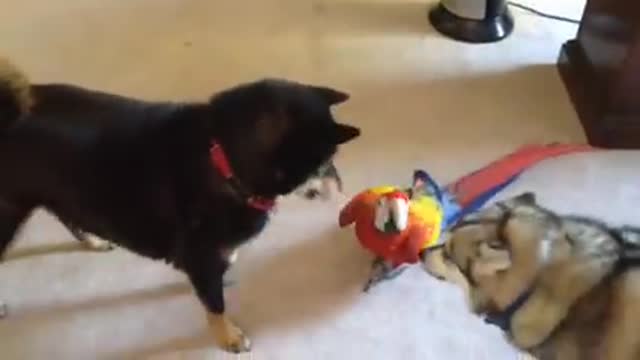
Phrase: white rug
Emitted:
{"points": [[421, 100]]}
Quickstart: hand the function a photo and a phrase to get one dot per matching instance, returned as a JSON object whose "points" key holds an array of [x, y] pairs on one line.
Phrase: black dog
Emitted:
{"points": [[183, 182]]}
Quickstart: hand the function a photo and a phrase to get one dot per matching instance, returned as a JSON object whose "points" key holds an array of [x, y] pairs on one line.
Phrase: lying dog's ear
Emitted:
{"points": [[331, 96], [527, 198], [524, 199], [493, 257], [343, 133]]}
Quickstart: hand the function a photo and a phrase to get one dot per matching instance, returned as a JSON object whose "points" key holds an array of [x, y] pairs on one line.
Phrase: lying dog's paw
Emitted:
{"points": [[94, 243], [434, 264], [230, 337], [536, 320]]}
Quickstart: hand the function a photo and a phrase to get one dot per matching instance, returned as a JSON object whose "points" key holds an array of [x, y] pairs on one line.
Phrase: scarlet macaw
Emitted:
{"points": [[399, 225]]}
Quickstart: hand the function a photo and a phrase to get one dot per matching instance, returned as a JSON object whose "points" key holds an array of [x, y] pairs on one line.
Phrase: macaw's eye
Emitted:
{"points": [[381, 214]]}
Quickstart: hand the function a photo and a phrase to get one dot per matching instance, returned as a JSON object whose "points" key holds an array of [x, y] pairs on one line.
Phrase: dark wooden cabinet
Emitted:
{"points": [[601, 71]]}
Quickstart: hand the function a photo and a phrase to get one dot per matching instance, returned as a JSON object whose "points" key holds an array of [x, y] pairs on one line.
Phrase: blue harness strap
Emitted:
{"points": [[481, 200], [502, 319]]}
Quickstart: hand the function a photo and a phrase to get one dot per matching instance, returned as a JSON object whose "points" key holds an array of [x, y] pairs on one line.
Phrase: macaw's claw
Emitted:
{"points": [[382, 271], [394, 273]]}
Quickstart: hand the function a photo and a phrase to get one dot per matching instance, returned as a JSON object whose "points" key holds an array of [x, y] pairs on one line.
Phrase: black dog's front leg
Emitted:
{"points": [[206, 274]]}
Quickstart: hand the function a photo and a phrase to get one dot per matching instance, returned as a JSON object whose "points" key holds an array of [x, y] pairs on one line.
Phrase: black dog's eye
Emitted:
{"points": [[312, 194]]}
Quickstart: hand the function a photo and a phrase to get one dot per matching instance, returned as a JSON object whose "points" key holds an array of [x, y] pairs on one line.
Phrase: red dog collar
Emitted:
{"points": [[220, 162]]}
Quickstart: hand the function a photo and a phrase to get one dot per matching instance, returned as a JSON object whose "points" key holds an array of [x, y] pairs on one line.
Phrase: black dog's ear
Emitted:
{"points": [[343, 133], [331, 96]]}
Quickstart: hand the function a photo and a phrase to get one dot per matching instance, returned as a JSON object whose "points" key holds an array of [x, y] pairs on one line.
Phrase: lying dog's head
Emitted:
{"points": [[526, 267], [279, 134], [496, 253]]}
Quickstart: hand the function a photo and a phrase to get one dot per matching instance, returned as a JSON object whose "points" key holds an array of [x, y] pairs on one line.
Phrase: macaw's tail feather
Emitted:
{"points": [[475, 189]]}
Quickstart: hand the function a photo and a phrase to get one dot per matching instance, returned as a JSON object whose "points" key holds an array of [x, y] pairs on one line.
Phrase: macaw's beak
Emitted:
{"points": [[392, 213]]}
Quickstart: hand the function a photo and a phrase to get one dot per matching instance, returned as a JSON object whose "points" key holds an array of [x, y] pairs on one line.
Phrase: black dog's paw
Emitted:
{"points": [[230, 337], [240, 344]]}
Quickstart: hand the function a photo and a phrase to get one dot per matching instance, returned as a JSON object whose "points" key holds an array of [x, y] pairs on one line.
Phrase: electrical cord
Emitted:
{"points": [[543, 14]]}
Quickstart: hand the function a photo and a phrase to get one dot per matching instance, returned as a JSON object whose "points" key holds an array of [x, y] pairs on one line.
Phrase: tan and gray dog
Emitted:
{"points": [[561, 287]]}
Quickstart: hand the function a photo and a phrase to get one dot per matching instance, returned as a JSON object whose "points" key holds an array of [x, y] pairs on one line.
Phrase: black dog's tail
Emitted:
{"points": [[15, 94]]}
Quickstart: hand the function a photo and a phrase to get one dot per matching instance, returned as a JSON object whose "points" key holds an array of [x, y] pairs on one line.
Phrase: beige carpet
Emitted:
{"points": [[422, 101]]}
